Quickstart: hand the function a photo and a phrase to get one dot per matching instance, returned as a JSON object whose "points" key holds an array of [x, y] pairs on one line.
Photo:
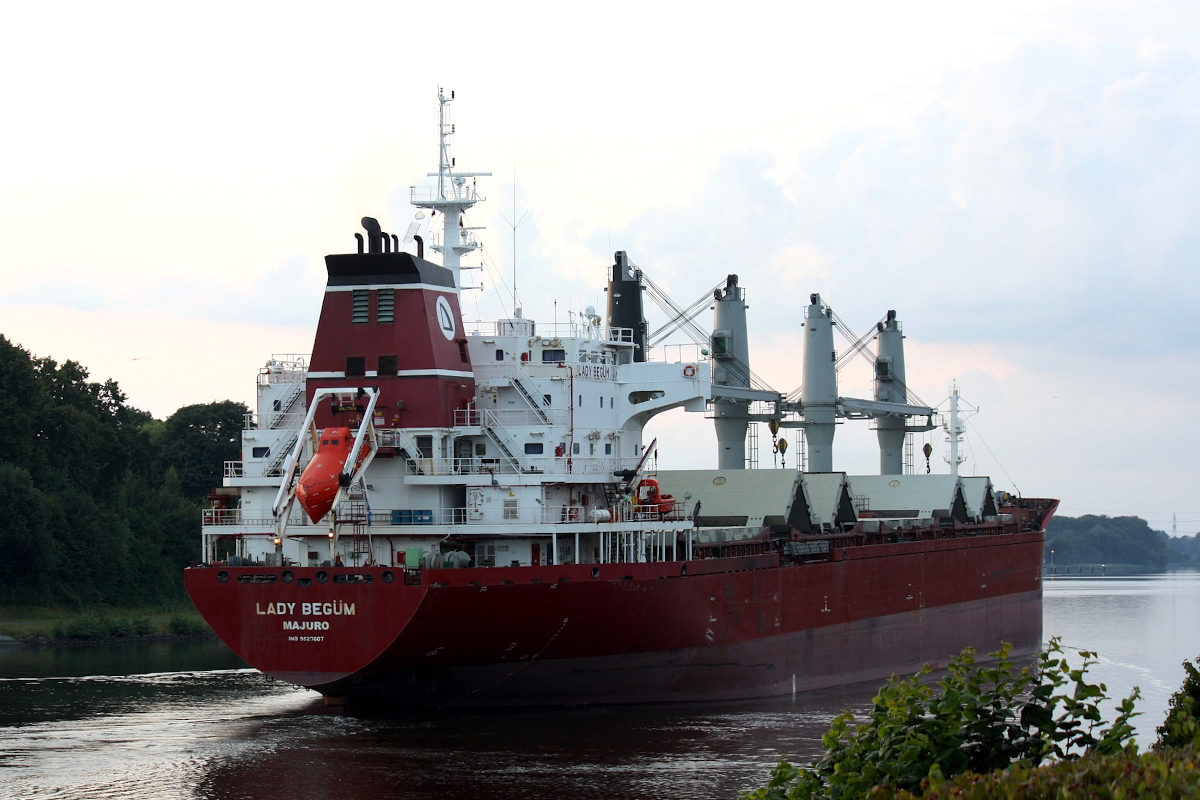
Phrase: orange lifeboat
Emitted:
{"points": [[320, 480], [650, 496]]}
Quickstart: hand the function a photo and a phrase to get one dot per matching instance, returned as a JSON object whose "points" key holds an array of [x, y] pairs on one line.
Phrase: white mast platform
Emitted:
{"points": [[452, 196]]}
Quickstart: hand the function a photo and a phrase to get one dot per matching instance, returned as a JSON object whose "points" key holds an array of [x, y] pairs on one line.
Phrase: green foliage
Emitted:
{"points": [[197, 440], [1092, 539], [92, 626], [88, 626], [1182, 726], [1182, 549], [98, 501], [186, 624], [1124, 776], [978, 718]]}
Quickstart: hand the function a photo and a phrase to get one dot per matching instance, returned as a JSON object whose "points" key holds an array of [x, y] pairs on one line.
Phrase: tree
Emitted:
{"points": [[1092, 539], [197, 440]]}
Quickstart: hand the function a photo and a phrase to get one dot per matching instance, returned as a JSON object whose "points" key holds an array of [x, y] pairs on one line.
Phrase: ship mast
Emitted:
{"points": [[451, 197], [954, 427]]}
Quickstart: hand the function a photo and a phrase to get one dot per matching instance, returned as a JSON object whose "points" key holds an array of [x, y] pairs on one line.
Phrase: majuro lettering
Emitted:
{"points": [[305, 625]]}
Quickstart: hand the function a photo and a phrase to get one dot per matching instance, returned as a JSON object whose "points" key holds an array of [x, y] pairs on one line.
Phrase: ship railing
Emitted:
{"points": [[225, 517], [683, 353], [511, 513], [537, 513], [508, 418], [549, 332], [282, 367], [602, 467], [235, 469], [426, 195]]}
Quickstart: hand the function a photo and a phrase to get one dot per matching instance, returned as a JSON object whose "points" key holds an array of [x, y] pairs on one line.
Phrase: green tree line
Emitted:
{"points": [[1093, 539], [100, 502]]}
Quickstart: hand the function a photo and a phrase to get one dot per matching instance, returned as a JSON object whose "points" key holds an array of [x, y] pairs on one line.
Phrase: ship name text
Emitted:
{"points": [[337, 608], [597, 372]]}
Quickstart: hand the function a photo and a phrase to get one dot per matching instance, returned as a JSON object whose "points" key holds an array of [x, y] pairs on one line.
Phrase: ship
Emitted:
{"points": [[434, 513]]}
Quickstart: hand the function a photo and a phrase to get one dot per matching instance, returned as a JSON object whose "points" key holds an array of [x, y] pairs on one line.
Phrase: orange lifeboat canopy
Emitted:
{"points": [[319, 482], [650, 495]]}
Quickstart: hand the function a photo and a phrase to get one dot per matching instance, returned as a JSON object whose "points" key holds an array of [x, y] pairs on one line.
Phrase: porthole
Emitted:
{"points": [[595, 572], [322, 576], [288, 576], [388, 577], [222, 576]]}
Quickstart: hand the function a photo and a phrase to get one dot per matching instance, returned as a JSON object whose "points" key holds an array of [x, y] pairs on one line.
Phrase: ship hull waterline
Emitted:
{"points": [[720, 628]]}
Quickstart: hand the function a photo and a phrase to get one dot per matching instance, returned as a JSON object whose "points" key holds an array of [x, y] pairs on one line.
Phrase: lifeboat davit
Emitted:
{"points": [[319, 482]]}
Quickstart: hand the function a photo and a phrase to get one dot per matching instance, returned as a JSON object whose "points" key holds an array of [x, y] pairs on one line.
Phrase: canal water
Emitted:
{"points": [[188, 720]]}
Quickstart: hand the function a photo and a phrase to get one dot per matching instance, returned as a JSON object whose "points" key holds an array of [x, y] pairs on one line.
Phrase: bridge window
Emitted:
{"points": [[553, 356]]}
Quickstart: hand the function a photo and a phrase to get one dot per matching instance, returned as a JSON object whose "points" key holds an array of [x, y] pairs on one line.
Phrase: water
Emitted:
{"points": [[1142, 629], [187, 720]]}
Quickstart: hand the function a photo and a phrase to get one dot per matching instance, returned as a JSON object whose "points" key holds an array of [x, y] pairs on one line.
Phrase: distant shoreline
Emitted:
{"points": [[1112, 570], [38, 640]]}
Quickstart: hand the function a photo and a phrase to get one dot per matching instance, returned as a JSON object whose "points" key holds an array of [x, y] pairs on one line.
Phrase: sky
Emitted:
{"points": [[1020, 182]]}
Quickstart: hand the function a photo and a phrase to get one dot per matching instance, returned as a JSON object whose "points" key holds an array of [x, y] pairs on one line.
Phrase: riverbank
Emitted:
{"points": [[56, 625], [1112, 570]]}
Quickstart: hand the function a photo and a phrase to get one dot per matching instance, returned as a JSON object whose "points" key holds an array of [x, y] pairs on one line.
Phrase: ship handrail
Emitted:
{"points": [[508, 417], [530, 514], [551, 331], [550, 464]]}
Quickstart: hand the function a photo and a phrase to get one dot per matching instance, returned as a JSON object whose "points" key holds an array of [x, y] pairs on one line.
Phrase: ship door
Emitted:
{"points": [[535, 554], [474, 505]]}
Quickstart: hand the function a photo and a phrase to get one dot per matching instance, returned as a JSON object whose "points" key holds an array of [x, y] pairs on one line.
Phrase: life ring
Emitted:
{"points": [[573, 513], [689, 371]]}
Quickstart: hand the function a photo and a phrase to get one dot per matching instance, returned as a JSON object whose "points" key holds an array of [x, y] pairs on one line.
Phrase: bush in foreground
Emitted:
{"points": [[1165, 774], [983, 718], [1181, 728]]}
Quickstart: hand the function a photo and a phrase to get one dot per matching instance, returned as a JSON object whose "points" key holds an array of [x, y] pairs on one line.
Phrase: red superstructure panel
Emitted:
{"points": [[419, 338]]}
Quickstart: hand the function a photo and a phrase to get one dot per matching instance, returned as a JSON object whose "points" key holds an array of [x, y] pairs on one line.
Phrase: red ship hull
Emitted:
{"points": [[617, 633]]}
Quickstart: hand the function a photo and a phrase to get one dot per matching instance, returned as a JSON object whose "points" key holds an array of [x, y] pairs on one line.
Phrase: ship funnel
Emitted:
{"points": [[625, 314], [374, 235]]}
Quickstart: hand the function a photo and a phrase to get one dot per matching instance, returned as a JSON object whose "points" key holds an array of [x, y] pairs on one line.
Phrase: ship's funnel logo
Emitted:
{"points": [[445, 318]]}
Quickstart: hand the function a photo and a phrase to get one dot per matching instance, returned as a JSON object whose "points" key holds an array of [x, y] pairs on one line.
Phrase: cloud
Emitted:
{"points": [[1053, 195]]}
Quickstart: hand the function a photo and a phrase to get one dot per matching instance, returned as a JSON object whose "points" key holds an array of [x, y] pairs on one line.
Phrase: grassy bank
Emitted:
{"points": [[62, 623]]}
